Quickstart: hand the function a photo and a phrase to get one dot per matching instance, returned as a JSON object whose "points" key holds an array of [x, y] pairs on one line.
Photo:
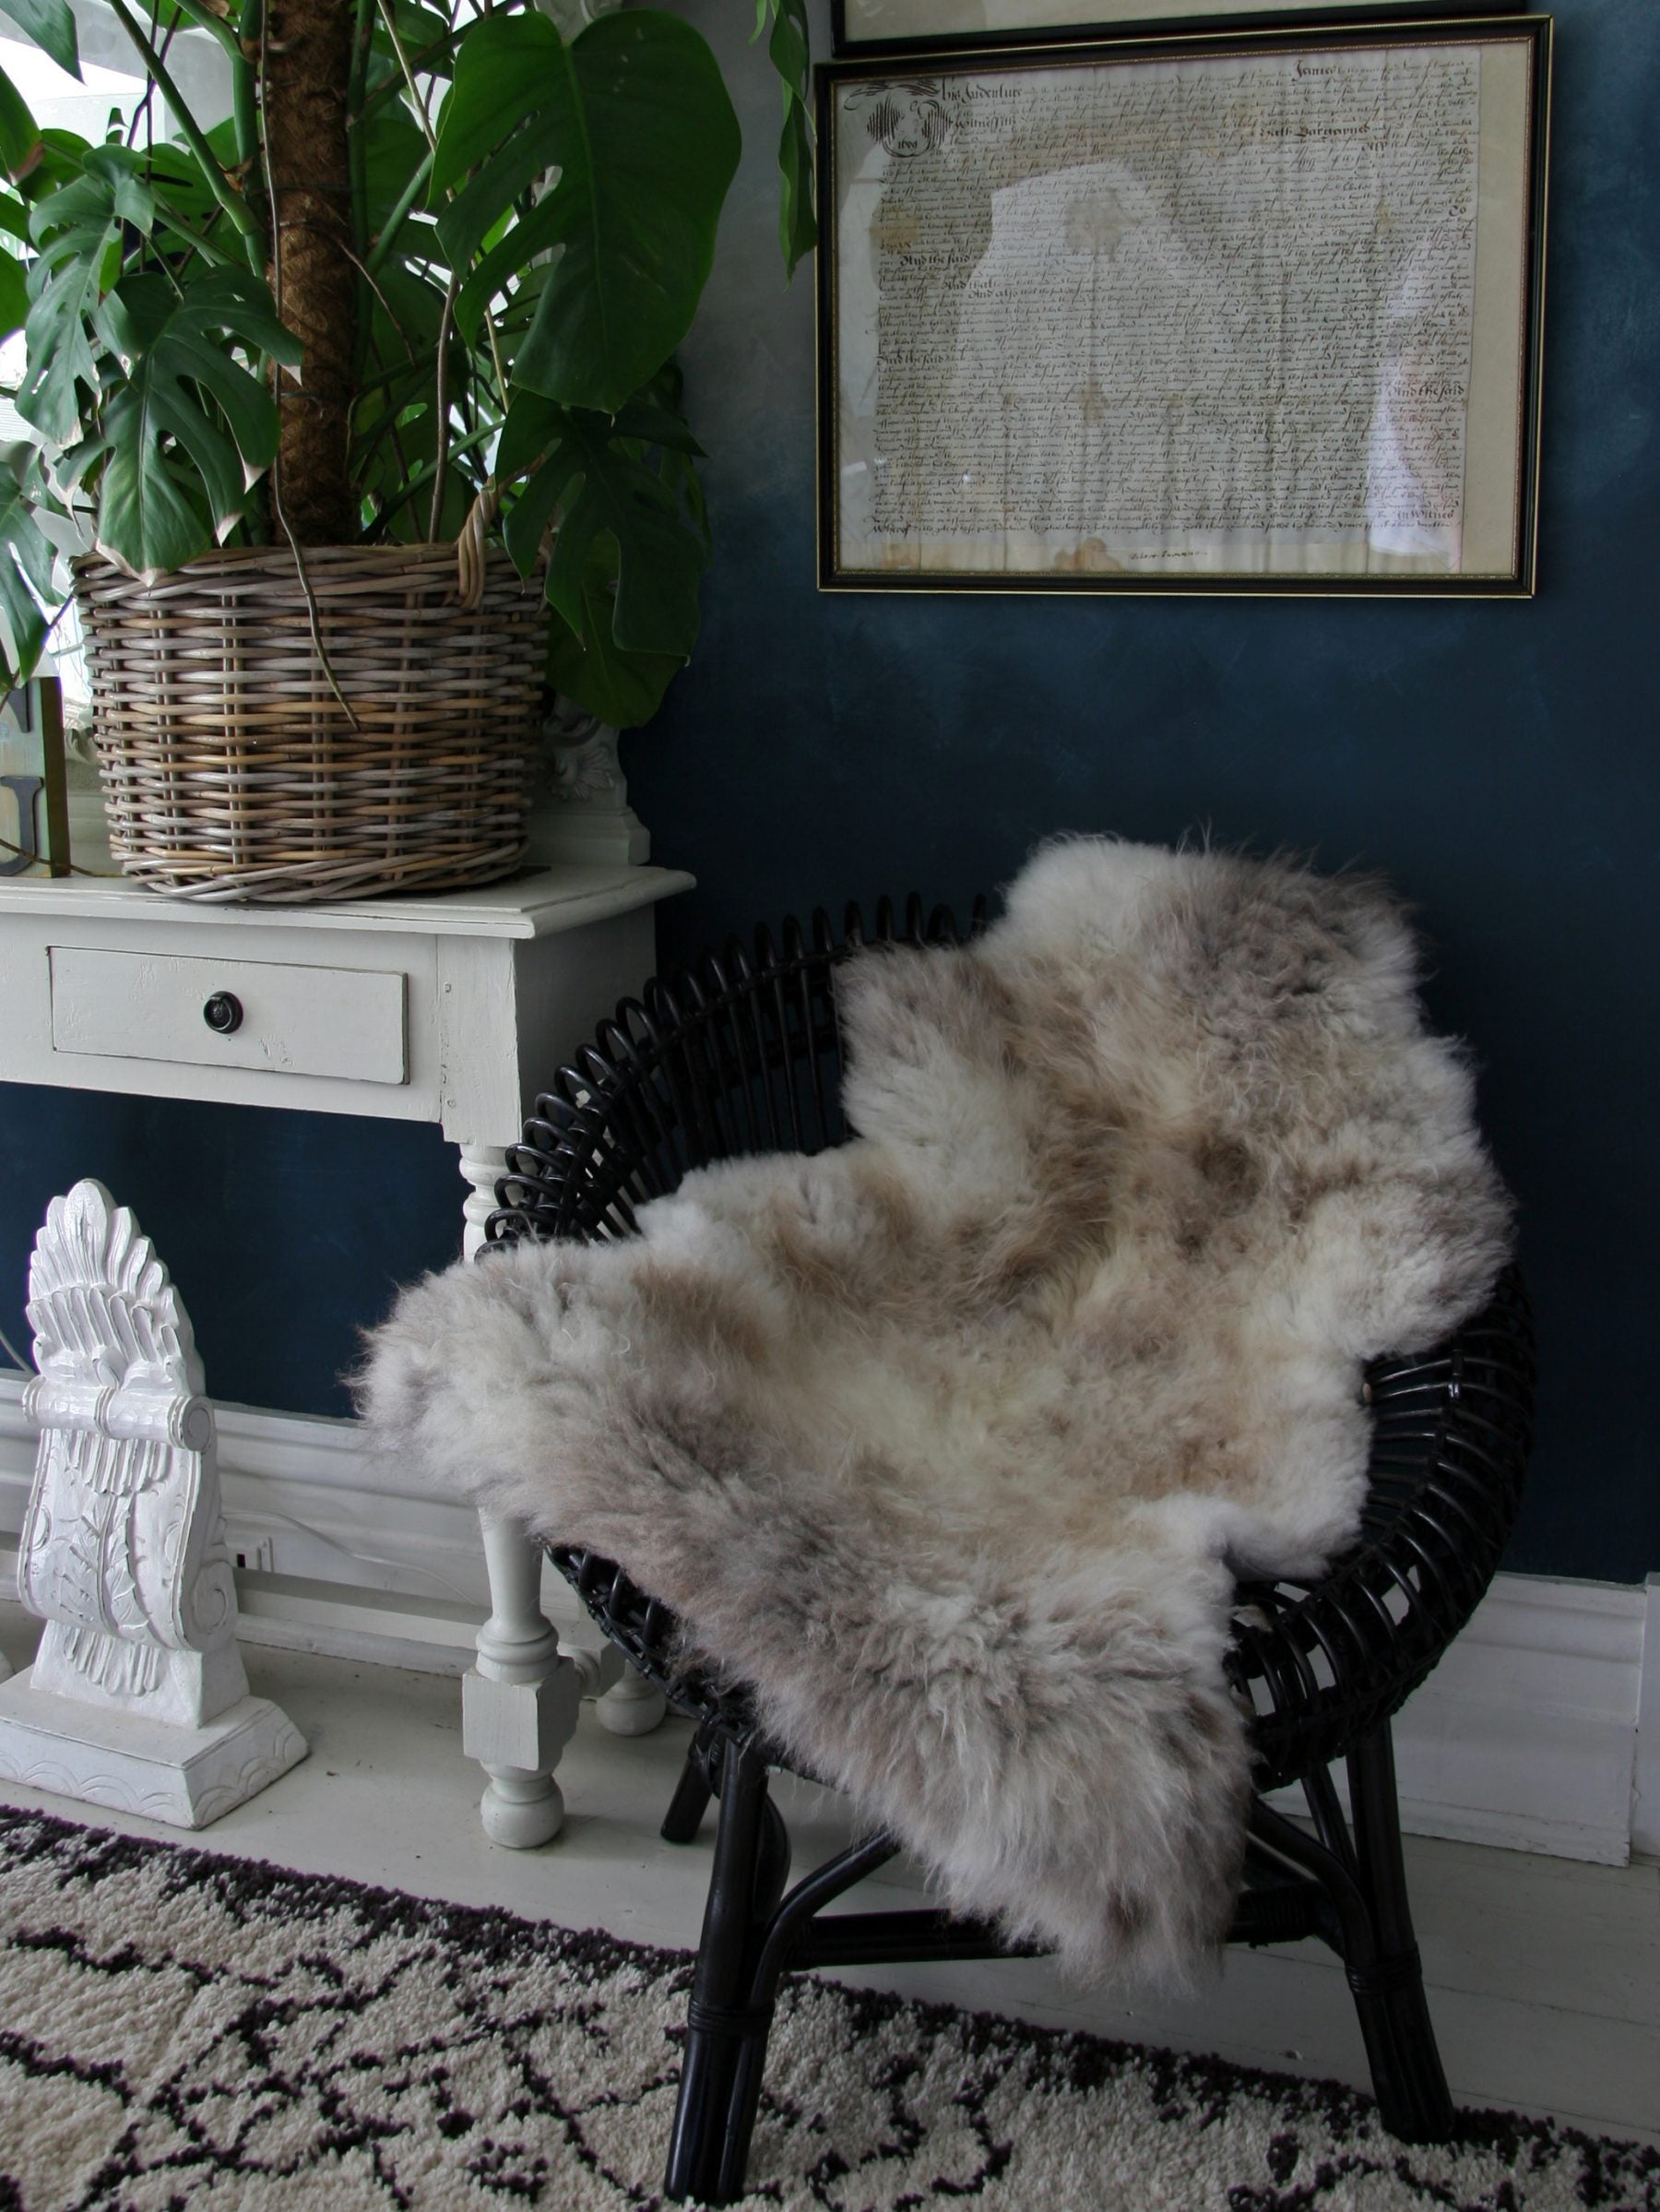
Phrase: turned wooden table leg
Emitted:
{"points": [[518, 1703], [483, 1167], [635, 1708]]}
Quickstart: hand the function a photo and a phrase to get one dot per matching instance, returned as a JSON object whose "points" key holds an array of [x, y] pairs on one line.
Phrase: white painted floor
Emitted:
{"points": [[1544, 1973]]}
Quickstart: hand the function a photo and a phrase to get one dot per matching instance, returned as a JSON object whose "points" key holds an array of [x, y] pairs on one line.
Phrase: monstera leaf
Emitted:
{"points": [[787, 48], [634, 117], [186, 425], [25, 566], [52, 27], [596, 474], [14, 293], [629, 546], [590, 668], [19, 133], [79, 230]]}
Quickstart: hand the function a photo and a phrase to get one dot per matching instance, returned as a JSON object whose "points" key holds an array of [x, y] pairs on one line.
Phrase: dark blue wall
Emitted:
{"points": [[284, 1231], [1497, 760]]}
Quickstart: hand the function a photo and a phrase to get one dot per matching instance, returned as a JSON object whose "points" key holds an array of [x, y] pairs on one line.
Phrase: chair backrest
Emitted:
{"points": [[1322, 1663], [742, 1053]]}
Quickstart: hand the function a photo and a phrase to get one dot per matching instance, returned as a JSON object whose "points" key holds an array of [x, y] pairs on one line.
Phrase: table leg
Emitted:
{"points": [[518, 1703], [483, 1167], [633, 1708]]}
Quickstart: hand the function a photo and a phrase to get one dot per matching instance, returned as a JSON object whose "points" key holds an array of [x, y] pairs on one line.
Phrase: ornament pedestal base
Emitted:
{"points": [[186, 1777]]}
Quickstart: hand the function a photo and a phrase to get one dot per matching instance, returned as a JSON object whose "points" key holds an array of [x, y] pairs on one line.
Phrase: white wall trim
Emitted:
{"points": [[1645, 1793], [1526, 1735]]}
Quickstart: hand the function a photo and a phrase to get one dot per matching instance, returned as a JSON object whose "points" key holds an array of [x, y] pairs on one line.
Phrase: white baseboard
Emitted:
{"points": [[1526, 1735], [1646, 1795]]}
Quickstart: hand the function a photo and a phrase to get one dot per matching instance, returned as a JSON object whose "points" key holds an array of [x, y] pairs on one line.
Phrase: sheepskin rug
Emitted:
{"points": [[952, 1441]]}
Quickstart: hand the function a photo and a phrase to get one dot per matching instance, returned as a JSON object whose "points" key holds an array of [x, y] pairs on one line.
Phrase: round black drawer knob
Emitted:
{"points": [[223, 1012]]}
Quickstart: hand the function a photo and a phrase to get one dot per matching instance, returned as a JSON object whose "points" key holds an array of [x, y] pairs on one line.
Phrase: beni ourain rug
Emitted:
{"points": [[181, 2030]]}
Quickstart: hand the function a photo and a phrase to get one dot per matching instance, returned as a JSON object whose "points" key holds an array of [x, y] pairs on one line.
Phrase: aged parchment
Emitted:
{"points": [[1197, 316]]}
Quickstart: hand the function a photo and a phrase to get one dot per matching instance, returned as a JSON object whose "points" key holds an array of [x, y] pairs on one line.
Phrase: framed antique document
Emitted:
{"points": [[1249, 311]]}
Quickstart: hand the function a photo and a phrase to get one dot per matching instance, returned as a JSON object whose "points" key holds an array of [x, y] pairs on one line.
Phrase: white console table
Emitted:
{"points": [[451, 1010]]}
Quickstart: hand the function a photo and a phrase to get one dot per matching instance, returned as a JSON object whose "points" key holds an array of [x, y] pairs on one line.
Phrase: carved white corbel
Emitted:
{"points": [[582, 813], [136, 1698]]}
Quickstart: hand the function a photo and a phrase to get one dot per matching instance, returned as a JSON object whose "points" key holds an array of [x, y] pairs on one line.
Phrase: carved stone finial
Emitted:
{"points": [[137, 1696], [585, 813]]}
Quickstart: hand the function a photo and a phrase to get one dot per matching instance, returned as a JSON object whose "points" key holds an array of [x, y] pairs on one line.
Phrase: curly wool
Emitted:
{"points": [[951, 1441]]}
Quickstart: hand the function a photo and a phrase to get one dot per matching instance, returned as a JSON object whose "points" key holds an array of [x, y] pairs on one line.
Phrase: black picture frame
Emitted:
{"points": [[1525, 41]]}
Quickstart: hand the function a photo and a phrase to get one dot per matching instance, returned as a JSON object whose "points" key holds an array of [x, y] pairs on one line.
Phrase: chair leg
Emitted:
{"points": [[726, 2033], [691, 1792], [786, 1920], [1413, 2101]]}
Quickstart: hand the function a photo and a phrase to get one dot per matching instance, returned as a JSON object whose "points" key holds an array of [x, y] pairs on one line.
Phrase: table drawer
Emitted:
{"points": [[344, 1022]]}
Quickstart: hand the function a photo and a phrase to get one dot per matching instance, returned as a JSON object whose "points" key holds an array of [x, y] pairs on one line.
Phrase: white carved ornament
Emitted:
{"points": [[584, 813], [123, 1547]]}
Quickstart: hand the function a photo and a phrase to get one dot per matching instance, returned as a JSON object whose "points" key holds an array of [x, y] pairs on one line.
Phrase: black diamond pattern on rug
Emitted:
{"points": [[179, 2030]]}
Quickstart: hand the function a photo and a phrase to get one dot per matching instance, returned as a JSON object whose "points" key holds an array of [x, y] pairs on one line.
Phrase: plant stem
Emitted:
{"points": [[400, 215], [194, 241], [420, 61], [219, 183], [423, 474], [246, 120], [440, 408], [410, 373], [390, 21], [495, 356], [389, 426], [426, 125], [204, 19], [244, 110], [362, 33]]}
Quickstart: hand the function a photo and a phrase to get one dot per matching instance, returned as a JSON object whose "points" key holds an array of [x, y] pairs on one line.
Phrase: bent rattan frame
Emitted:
{"points": [[741, 1054], [231, 771]]}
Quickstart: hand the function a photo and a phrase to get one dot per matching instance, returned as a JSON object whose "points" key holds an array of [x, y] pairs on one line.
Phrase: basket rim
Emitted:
{"points": [[250, 556]]}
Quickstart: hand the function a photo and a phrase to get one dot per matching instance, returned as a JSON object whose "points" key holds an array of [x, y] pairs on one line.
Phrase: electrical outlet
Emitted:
{"points": [[257, 1556]]}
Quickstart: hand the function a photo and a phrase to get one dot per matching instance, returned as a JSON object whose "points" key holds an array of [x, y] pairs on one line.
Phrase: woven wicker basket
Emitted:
{"points": [[230, 769]]}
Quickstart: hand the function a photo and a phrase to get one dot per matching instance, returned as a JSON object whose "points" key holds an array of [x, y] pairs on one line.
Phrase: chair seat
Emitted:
{"points": [[1320, 1663]]}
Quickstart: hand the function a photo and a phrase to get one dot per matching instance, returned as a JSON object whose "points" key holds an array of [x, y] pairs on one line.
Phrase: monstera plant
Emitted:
{"points": [[430, 264]]}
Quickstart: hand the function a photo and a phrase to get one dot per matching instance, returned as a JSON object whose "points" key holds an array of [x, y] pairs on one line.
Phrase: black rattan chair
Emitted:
{"points": [[743, 1054]]}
